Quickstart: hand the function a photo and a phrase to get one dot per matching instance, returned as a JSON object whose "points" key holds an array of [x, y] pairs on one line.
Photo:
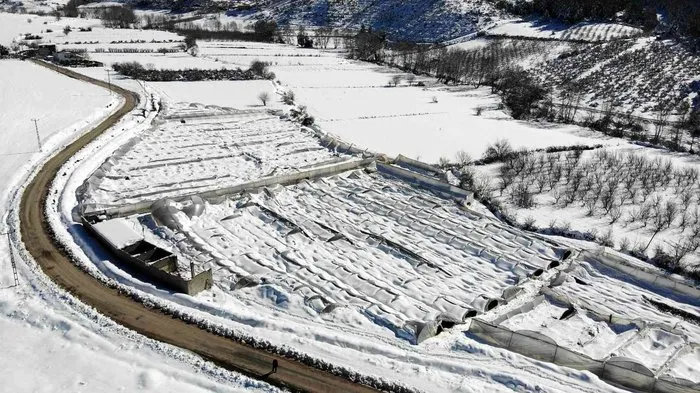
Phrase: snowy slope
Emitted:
{"points": [[13, 25], [61, 106], [416, 20], [585, 31]]}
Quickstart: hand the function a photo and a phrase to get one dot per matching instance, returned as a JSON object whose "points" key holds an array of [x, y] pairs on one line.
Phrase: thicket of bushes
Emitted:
{"points": [[257, 70], [263, 31]]}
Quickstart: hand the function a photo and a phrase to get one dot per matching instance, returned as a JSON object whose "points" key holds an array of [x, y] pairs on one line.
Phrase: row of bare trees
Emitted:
{"points": [[630, 190], [457, 65]]}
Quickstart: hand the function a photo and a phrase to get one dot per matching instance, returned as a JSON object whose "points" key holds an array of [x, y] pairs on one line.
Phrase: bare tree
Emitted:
{"points": [[670, 213], [683, 111], [590, 204], [662, 114], [288, 97], [607, 238], [463, 158], [395, 80], [522, 197], [644, 214], [264, 97], [499, 150], [410, 79], [615, 214], [571, 97], [323, 36], [482, 187], [625, 244], [337, 39]]}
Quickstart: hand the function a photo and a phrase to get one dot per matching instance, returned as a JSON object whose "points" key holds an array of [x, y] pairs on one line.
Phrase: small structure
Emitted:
{"points": [[66, 56], [44, 50], [72, 58], [156, 263]]}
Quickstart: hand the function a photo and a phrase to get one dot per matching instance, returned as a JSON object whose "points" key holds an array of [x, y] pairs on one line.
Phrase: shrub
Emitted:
{"points": [[260, 68], [137, 71], [498, 151], [301, 115], [288, 97], [264, 97], [521, 94]]}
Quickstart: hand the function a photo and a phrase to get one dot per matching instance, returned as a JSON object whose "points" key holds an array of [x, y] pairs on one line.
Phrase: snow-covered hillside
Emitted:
{"points": [[415, 20], [592, 32]]}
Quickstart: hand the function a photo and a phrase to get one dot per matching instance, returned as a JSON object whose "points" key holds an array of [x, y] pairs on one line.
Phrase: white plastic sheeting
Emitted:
{"points": [[621, 371], [119, 232], [405, 258], [645, 274], [214, 148]]}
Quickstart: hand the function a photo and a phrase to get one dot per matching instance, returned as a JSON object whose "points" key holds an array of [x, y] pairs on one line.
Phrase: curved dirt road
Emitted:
{"points": [[227, 353]]}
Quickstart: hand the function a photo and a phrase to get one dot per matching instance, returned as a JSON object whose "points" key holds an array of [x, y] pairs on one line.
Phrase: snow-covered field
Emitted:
{"points": [[348, 268], [176, 61], [104, 35], [353, 101], [584, 31], [12, 25], [13, 28], [59, 104]]}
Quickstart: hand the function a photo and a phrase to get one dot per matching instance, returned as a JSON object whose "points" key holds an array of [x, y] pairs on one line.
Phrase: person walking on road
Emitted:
{"points": [[274, 365]]}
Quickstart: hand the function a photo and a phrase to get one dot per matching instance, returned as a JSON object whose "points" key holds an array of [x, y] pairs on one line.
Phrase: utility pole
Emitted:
{"points": [[109, 82], [36, 129], [12, 259]]}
